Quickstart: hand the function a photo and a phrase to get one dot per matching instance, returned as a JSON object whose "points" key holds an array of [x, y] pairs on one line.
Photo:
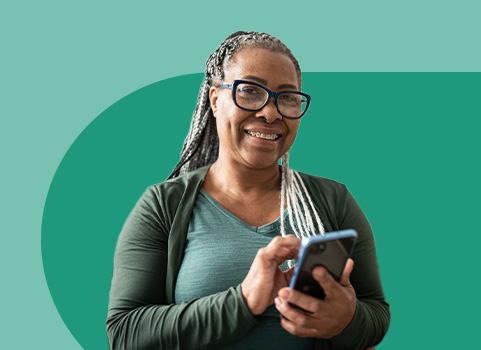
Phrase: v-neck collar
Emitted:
{"points": [[267, 229]]}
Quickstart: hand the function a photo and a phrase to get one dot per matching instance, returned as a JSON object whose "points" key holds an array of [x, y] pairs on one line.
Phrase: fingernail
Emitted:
{"points": [[277, 301], [285, 293]]}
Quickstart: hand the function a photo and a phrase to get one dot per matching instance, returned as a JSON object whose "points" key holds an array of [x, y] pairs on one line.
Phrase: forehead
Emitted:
{"points": [[274, 67]]}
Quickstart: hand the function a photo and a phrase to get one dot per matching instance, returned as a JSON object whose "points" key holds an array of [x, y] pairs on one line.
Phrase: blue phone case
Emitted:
{"points": [[330, 250]]}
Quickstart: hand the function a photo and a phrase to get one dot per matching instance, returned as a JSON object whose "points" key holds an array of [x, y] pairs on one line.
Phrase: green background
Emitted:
{"points": [[407, 148]]}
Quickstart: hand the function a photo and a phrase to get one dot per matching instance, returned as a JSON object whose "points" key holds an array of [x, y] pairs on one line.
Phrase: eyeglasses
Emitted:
{"points": [[253, 97]]}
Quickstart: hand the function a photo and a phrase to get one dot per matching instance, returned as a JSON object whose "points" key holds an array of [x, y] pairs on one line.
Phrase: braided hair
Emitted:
{"points": [[201, 146]]}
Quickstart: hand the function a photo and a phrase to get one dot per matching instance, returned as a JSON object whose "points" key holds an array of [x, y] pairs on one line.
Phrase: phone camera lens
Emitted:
{"points": [[319, 248]]}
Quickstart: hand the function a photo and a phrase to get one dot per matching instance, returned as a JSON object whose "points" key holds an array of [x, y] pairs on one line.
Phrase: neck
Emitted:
{"points": [[233, 178]]}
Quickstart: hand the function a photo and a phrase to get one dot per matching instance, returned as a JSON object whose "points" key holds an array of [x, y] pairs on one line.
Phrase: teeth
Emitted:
{"points": [[263, 136]]}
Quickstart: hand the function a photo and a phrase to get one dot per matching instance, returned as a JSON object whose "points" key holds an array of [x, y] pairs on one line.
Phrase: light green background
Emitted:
{"points": [[63, 63]]}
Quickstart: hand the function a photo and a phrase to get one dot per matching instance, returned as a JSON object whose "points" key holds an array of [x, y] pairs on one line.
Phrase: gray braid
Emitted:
{"points": [[201, 146], [294, 192]]}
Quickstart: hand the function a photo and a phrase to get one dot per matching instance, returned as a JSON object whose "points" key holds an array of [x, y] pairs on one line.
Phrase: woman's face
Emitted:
{"points": [[238, 128]]}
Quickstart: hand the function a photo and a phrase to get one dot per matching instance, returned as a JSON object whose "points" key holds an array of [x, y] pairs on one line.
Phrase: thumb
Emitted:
{"points": [[347, 272]]}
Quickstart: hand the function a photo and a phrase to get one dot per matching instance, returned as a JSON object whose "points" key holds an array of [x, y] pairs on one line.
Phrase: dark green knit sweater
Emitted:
{"points": [[142, 313]]}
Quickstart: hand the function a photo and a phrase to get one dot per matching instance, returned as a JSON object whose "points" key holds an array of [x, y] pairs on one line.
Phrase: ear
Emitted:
{"points": [[213, 99]]}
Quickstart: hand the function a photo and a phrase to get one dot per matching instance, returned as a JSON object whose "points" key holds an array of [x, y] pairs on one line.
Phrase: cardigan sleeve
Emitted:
{"points": [[139, 317], [372, 317]]}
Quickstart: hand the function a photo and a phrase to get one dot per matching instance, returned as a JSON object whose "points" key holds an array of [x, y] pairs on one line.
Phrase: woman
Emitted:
{"points": [[197, 262]]}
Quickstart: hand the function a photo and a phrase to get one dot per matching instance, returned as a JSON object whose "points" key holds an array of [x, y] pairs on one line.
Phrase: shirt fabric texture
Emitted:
{"points": [[142, 311]]}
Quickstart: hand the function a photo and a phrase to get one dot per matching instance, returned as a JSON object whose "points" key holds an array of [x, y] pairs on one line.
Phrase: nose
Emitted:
{"points": [[269, 112]]}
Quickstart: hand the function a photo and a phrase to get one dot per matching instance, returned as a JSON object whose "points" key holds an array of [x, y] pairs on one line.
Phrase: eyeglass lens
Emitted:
{"points": [[253, 97]]}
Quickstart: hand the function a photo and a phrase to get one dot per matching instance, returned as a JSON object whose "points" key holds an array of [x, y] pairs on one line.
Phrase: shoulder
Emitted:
{"points": [[333, 201], [330, 197], [318, 186], [179, 185], [169, 195]]}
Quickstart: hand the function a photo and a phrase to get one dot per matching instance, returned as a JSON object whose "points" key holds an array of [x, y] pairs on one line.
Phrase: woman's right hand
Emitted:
{"points": [[265, 278]]}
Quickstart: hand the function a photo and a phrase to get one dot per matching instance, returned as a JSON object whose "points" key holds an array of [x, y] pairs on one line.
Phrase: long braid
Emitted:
{"points": [[294, 193], [201, 146]]}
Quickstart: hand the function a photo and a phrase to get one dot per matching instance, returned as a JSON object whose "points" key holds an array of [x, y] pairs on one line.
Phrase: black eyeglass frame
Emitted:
{"points": [[271, 94]]}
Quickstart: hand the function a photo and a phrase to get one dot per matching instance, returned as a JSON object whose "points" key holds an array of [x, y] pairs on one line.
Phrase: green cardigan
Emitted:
{"points": [[142, 311]]}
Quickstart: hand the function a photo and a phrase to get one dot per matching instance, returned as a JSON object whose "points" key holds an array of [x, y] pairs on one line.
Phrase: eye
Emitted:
{"points": [[289, 98], [249, 90]]}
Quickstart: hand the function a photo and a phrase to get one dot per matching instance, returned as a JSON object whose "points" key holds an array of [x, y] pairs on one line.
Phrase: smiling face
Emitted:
{"points": [[256, 139]]}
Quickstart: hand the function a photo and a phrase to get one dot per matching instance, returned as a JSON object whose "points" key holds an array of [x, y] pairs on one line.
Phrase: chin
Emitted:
{"points": [[262, 162]]}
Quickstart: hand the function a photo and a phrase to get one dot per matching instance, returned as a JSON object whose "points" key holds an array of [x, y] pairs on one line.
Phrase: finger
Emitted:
{"points": [[347, 272], [273, 256], [299, 299], [287, 241], [298, 330], [283, 247], [325, 279], [292, 313], [269, 256]]}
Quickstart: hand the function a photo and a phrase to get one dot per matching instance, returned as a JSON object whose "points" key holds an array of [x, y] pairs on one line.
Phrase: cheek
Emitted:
{"points": [[227, 124], [229, 117], [224, 110], [293, 128]]}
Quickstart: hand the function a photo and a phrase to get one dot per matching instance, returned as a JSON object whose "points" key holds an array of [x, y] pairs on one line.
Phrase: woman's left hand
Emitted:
{"points": [[324, 318]]}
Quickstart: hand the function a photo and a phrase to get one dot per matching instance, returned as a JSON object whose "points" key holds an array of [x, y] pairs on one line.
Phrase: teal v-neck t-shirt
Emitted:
{"points": [[219, 251]]}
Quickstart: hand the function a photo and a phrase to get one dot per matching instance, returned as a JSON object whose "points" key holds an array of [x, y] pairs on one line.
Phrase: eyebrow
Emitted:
{"points": [[264, 82]]}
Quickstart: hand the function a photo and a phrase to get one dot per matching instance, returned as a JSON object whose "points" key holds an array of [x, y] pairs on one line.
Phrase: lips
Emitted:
{"points": [[263, 134]]}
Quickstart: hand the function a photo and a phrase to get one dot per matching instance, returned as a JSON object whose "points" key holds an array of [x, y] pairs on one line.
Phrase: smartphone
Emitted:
{"points": [[330, 250]]}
